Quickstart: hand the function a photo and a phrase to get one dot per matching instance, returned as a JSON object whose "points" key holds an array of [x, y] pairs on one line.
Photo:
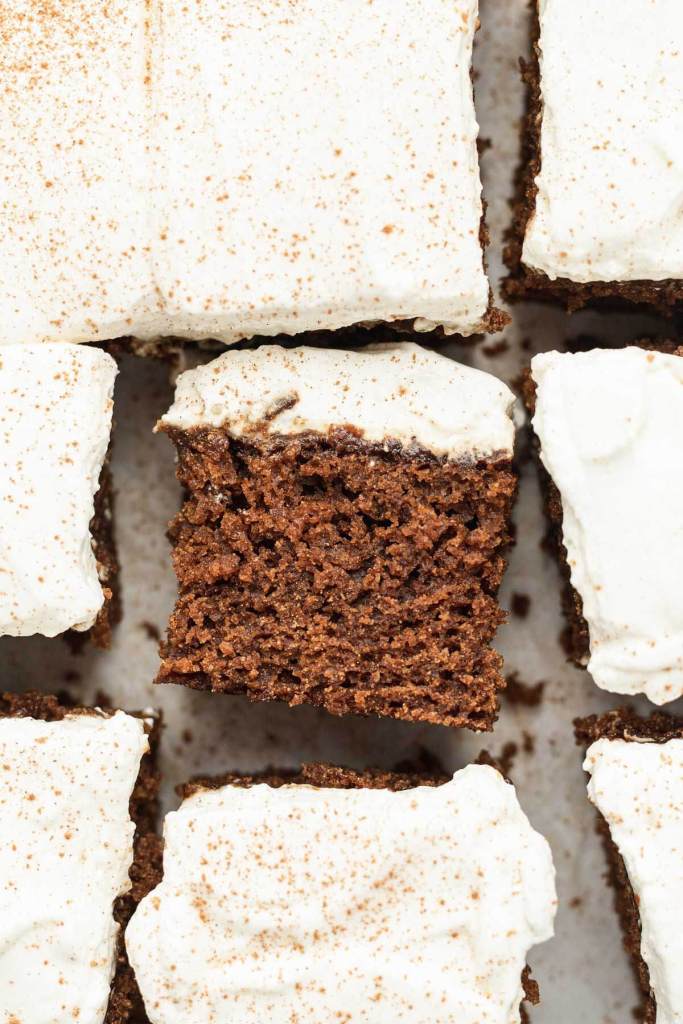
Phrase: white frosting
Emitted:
{"points": [[74, 238], [400, 392], [638, 789], [610, 424], [317, 166], [66, 846], [609, 192], [234, 168], [365, 905], [55, 420]]}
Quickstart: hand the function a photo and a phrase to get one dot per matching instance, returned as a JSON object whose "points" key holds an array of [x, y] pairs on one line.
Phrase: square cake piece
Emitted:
{"points": [[78, 808], [232, 168], [337, 896], [57, 564], [599, 214], [636, 783], [317, 166], [342, 538], [609, 424]]}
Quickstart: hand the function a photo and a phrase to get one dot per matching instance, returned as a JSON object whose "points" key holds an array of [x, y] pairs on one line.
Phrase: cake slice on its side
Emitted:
{"points": [[78, 850], [57, 554], [608, 423], [598, 214], [337, 895], [636, 783], [342, 539]]}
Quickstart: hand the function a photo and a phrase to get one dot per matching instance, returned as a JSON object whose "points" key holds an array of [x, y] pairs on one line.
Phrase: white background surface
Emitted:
{"points": [[583, 973]]}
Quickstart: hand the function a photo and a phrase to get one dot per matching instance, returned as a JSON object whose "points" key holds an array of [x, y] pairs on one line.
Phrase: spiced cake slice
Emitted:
{"points": [[78, 850], [317, 167], [58, 567], [228, 169], [598, 216], [343, 533], [609, 424], [636, 783], [336, 895]]}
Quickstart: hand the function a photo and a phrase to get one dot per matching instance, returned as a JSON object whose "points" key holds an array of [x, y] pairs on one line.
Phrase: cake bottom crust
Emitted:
{"points": [[125, 1002]]}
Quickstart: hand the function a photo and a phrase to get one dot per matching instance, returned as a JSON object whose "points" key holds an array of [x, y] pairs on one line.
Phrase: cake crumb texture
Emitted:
{"points": [[328, 571]]}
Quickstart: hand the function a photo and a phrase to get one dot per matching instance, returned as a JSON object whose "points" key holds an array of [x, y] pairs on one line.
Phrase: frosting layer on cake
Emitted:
{"points": [[74, 173], [324, 904], [393, 392], [317, 167], [610, 424], [228, 168], [66, 847], [608, 206], [638, 789], [55, 421]]}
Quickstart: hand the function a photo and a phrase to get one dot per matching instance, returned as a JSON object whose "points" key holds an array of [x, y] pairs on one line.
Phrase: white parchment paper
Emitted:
{"points": [[583, 972]]}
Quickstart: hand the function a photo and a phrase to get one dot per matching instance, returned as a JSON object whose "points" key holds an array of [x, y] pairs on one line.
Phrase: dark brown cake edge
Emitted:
{"points": [[103, 540], [326, 776], [576, 638], [125, 1002], [525, 283], [106, 557], [625, 724]]}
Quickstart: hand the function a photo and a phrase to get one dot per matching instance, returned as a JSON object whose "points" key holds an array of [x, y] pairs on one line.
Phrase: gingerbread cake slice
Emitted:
{"points": [[609, 424], [599, 214], [334, 175], [636, 783], [223, 170], [343, 534], [78, 808], [58, 568], [337, 895]]}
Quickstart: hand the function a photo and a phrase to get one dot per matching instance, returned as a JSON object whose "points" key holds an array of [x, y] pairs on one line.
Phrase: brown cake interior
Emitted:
{"points": [[524, 282], [125, 1002], [576, 638], [624, 724], [326, 776], [325, 570]]}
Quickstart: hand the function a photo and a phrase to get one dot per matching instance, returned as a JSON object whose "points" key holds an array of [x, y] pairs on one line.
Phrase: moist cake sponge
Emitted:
{"points": [[342, 539]]}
